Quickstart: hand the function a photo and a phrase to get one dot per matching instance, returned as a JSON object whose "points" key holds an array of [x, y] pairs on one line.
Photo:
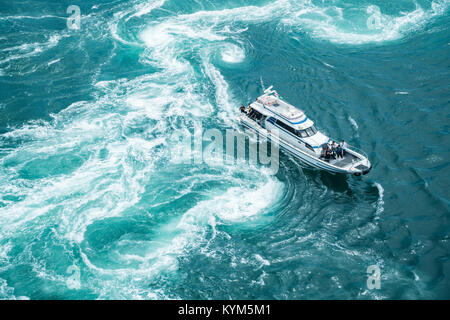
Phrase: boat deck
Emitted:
{"points": [[348, 159]]}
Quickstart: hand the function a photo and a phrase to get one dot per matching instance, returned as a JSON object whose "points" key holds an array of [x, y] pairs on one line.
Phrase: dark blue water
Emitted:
{"points": [[93, 207]]}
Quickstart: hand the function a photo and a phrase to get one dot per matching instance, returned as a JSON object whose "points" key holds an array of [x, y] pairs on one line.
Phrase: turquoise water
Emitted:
{"points": [[93, 207]]}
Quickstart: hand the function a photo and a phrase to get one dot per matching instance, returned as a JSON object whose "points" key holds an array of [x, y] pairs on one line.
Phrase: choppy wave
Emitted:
{"points": [[371, 24], [28, 49], [105, 158]]}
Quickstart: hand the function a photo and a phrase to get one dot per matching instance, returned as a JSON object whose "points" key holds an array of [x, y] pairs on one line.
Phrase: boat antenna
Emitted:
{"points": [[262, 83]]}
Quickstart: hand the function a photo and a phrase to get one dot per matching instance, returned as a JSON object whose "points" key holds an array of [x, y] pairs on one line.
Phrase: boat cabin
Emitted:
{"points": [[293, 125]]}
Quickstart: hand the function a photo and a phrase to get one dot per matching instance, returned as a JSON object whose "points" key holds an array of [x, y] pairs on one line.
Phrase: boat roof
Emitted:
{"points": [[270, 104]]}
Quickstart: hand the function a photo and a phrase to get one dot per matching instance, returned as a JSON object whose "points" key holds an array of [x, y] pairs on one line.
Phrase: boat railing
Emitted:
{"points": [[351, 147], [354, 149]]}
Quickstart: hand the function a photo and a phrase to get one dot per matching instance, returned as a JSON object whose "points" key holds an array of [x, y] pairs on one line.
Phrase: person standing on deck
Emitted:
{"points": [[339, 151], [343, 145]]}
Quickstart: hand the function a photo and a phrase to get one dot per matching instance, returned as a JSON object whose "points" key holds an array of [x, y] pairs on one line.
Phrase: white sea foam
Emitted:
{"points": [[4, 253], [53, 62], [31, 17], [188, 232], [145, 8], [6, 292], [380, 202], [223, 99], [262, 261], [353, 122], [138, 10], [329, 22], [30, 49], [233, 54], [238, 204]]}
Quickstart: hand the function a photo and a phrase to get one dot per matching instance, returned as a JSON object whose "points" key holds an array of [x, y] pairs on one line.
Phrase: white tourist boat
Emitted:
{"points": [[277, 120]]}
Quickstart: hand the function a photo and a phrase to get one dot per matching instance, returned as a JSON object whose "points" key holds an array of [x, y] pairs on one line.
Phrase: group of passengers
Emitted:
{"points": [[333, 150], [248, 110], [251, 113]]}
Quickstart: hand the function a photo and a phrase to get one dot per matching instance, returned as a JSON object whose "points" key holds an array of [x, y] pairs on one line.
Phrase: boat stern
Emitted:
{"points": [[362, 168]]}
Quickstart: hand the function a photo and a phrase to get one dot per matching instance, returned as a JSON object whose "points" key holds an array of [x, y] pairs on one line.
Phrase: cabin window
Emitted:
{"points": [[286, 127], [310, 131], [302, 133]]}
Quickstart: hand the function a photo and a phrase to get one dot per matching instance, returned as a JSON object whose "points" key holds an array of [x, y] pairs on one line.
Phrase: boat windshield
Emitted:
{"points": [[308, 132]]}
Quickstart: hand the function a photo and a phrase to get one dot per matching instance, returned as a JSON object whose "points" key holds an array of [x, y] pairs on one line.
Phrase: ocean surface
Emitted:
{"points": [[92, 205]]}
